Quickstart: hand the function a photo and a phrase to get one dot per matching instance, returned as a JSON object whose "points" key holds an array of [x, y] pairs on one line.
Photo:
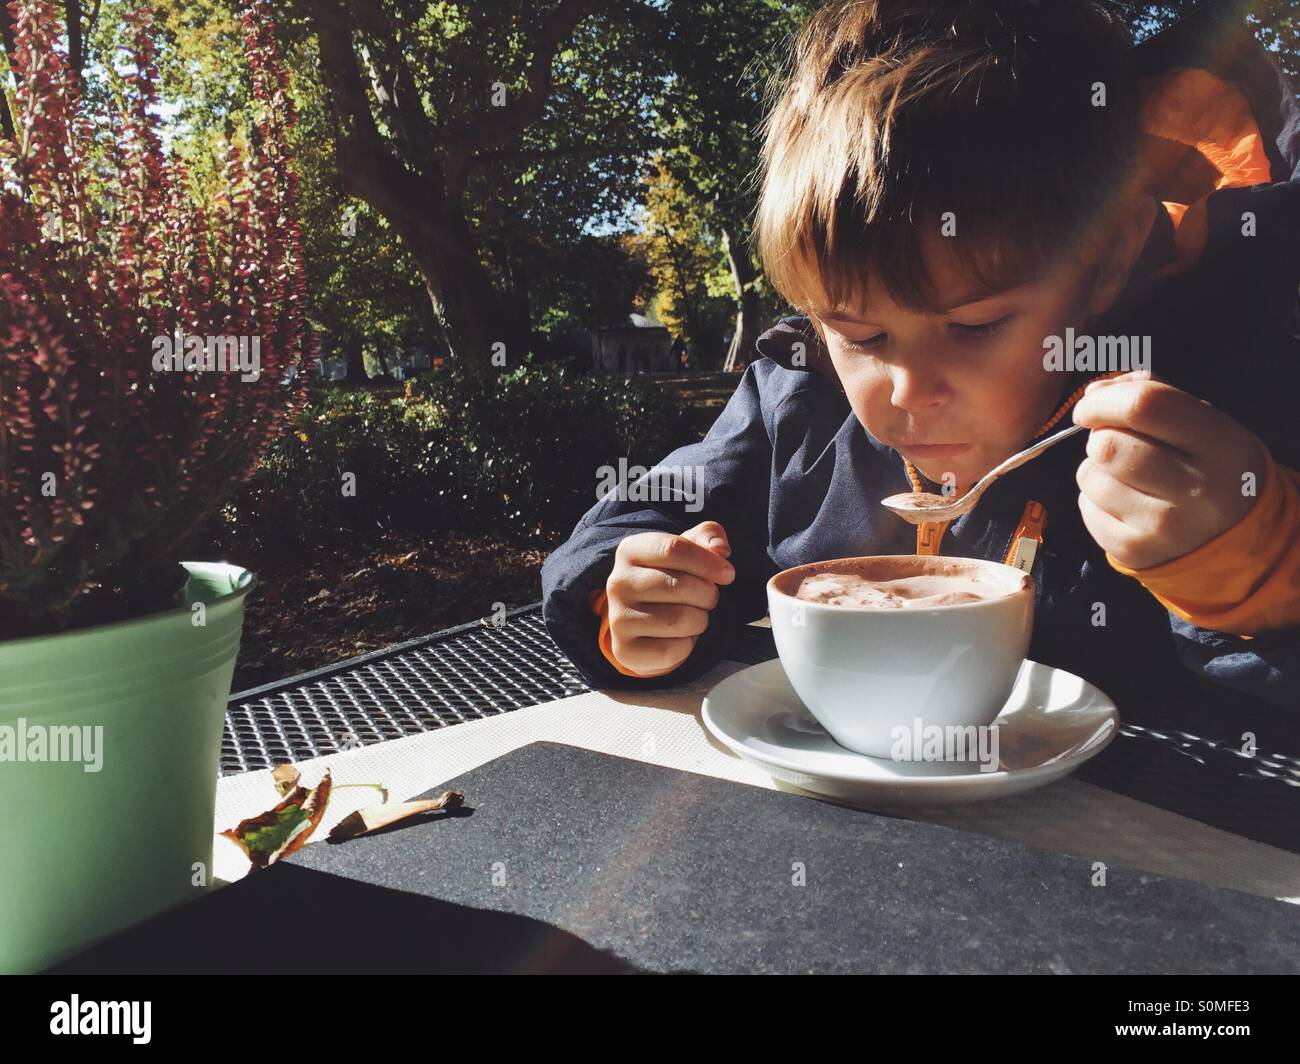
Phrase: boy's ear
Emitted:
{"points": [[1116, 263]]}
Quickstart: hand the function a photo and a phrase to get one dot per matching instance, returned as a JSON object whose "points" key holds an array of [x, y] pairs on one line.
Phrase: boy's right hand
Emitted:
{"points": [[660, 592]]}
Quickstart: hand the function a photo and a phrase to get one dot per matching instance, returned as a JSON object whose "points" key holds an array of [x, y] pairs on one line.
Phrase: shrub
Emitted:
{"points": [[515, 456], [539, 434]]}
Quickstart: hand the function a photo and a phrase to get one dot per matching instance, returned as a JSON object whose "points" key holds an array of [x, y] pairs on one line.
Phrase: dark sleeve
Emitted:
{"points": [[1266, 666], [734, 462]]}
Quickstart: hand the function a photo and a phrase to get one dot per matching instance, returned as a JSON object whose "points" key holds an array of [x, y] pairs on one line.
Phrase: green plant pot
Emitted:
{"points": [[86, 853]]}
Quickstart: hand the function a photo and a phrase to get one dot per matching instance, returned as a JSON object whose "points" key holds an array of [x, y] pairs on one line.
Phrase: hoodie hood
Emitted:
{"points": [[793, 343], [1216, 113]]}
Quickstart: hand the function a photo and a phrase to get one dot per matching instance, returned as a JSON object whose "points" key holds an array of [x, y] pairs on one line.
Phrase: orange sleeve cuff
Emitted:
{"points": [[599, 602], [1247, 579]]}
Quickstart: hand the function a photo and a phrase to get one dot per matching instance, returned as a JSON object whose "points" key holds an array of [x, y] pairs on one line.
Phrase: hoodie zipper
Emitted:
{"points": [[1027, 537]]}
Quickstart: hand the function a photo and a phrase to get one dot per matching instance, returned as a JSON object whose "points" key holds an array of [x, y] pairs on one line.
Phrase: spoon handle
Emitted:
{"points": [[1017, 460]]}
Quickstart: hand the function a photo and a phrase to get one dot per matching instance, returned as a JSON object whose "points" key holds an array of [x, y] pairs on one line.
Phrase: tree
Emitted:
{"points": [[593, 280], [724, 56], [1275, 22], [475, 132], [682, 255]]}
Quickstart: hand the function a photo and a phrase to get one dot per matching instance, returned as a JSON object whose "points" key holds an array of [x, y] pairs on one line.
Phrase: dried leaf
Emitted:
{"points": [[381, 816], [281, 831], [286, 778]]}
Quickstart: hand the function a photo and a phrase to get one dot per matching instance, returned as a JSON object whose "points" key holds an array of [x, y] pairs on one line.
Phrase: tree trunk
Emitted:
{"points": [[743, 276], [420, 193], [354, 372], [521, 305], [474, 315], [388, 367], [686, 293]]}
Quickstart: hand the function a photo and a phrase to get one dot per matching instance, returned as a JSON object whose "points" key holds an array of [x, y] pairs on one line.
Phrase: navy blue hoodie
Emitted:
{"points": [[794, 477]]}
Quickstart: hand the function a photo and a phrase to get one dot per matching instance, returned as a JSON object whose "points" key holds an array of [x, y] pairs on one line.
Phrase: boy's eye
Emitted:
{"points": [[867, 344], [984, 328]]}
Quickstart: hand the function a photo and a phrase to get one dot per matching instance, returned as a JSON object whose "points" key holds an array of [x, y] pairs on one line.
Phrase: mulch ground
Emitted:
{"points": [[335, 602]]}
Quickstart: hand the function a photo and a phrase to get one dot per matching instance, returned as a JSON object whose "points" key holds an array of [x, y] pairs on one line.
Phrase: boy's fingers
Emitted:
{"points": [[1132, 375], [649, 656], [1153, 409], [663, 550], [1118, 499], [657, 620], [710, 535], [1145, 465], [643, 584]]}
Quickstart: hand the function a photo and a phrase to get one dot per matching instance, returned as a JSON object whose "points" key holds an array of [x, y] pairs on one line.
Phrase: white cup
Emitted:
{"points": [[865, 671]]}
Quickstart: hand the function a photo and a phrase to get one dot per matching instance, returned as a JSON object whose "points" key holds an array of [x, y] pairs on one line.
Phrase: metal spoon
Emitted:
{"points": [[918, 506]]}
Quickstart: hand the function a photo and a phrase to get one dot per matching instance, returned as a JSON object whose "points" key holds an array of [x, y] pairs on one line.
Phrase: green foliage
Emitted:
{"points": [[593, 280], [516, 455], [298, 489], [365, 292], [539, 434]]}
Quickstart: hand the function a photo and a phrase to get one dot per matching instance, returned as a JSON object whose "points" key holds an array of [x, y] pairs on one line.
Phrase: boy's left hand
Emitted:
{"points": [[1164, 469]]}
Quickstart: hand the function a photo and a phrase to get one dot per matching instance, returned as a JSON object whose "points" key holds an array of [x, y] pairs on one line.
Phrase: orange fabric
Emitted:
{"points": [[1185, 111], [1246, 580], [599, 602]]}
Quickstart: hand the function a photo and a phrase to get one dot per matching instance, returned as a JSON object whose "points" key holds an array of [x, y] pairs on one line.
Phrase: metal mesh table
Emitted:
{"points": [[464, 673], [482, 669]]}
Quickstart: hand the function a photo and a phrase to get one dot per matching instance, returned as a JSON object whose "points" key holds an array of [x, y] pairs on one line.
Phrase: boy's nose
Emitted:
{"points": [[915, 392]]}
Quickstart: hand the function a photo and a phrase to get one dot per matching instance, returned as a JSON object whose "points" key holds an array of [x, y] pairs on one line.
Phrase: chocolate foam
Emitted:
{"points": [[899, 582]]}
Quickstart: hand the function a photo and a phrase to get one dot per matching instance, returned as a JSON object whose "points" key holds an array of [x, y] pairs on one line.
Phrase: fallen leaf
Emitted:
{"points": [[286, 778], [283, 830], [381, 816]]}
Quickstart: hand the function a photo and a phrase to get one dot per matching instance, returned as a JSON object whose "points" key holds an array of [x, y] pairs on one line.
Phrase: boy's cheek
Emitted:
{"points": [[870, 405]]}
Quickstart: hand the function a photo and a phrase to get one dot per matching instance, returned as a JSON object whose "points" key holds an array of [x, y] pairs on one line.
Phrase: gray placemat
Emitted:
{"points": [[570, 860]]}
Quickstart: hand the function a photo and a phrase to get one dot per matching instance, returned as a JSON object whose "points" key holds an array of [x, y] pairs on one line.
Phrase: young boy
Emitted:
{"points": [[997, 218]]}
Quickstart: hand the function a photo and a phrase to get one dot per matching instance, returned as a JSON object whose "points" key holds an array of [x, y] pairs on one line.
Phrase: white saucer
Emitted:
{"points": [[1052, 723]]}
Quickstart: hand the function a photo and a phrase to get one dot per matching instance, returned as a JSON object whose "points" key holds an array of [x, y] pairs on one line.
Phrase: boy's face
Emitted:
{"points": [[960, 391]]}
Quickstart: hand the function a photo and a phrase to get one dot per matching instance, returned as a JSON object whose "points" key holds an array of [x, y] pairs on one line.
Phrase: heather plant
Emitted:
{"points": [[122, 286]]}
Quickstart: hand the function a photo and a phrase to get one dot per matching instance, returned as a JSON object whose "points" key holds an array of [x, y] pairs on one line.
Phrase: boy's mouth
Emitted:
{"points": [[933, 450]]}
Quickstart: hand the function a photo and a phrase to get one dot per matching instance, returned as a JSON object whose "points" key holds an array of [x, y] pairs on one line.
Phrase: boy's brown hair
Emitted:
{"points": [[895, 112]]}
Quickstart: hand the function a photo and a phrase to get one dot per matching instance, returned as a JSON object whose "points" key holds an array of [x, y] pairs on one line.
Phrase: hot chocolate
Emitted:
{"points": [[922, 585], [851, 589]]}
